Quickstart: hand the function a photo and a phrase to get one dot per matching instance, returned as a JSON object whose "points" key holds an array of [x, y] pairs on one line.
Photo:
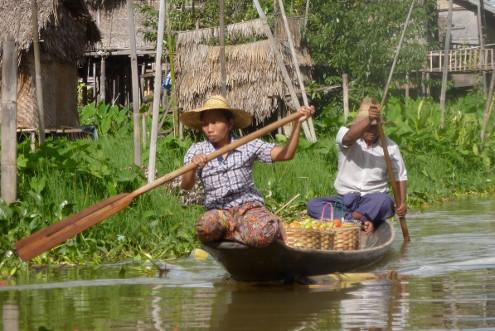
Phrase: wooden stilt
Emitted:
{"points": [[156, 93], [103, 79], [9, 123], [134, 84], [37, 70], [488, 107]]}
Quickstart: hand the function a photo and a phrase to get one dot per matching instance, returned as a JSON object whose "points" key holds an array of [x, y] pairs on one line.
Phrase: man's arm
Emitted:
{"points": [[287, 152], [357, 129]]}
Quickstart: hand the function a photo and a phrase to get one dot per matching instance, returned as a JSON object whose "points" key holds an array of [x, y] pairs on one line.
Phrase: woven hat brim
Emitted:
{"points": [[192, 118]]}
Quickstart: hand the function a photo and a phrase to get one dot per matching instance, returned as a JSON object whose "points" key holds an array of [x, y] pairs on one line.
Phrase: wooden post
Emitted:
{"points": [[173, 95], [281, 66], [103, 79], [37, 70], [221, 37], [488, 108], [423, 86], [157, 87], [306, 14], [296, 67], [135, 83], [480, 10], [428, 91], [445, 66], [9, 125], [345, 89], [407, 87]]}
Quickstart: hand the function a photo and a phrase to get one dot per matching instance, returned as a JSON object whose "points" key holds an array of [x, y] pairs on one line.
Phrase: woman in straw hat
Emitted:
{"points": [[235, 209], [361, 182]]}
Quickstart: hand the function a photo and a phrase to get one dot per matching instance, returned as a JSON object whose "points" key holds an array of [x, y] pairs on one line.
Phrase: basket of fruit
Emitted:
{"points": [[346, 237], [302, 234], [323, 234]]}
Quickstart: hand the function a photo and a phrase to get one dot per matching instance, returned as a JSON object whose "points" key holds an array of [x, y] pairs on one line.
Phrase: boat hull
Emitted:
{"points": [[280, 262]]}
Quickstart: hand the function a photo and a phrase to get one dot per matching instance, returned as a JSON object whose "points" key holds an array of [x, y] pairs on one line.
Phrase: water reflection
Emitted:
{"points": [[10, 316], [445, 281]]}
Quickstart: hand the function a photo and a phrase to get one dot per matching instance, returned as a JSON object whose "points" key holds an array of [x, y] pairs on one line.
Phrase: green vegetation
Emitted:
{"points": [[354, 37]]}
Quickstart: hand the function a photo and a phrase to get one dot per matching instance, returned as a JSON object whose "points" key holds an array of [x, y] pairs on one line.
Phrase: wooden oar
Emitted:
{"points": [[381, 135], [55, 234]]}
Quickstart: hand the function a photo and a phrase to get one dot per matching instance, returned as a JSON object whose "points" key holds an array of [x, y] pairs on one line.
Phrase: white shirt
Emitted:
{"points": [[363, 169]]}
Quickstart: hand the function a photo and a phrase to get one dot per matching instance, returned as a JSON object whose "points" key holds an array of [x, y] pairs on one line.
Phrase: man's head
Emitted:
{"points": [[371, 133]]}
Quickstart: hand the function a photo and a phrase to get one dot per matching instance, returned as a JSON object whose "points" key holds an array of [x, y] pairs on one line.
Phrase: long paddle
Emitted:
{"points": [[381, 135], [55, 234]]}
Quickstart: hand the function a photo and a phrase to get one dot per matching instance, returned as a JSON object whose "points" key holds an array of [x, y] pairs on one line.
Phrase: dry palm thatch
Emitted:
{"points": [[233, 32], [65, 29], [253, 77]]}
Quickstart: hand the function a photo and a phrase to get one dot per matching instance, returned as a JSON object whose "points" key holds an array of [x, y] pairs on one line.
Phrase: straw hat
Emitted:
{"points": [[192, 118]]}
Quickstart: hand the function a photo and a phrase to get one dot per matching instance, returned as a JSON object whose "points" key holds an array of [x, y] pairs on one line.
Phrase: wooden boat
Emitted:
{"points": [[281, 262]]}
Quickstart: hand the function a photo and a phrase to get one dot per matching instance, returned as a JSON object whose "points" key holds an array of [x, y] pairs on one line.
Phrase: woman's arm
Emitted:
{"points": [[189, 178], [287, 152]]}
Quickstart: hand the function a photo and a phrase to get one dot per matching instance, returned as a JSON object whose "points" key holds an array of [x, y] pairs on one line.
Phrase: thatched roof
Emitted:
{"points": [[65, 27], [113, 25], [253, 76]]}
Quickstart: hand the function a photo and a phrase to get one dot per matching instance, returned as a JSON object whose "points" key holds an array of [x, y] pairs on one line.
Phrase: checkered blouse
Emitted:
{"points": [[228, 182]]}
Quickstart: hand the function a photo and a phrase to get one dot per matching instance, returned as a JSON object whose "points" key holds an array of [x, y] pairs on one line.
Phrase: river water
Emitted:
{"points": [[443, 280]]}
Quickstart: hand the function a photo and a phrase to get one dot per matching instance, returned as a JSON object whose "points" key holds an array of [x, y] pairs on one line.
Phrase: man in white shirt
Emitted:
{"points": [[362, 182]]}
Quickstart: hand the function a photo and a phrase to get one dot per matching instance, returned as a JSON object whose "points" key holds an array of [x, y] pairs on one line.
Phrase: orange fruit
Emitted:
{"points": [[337, 223]]}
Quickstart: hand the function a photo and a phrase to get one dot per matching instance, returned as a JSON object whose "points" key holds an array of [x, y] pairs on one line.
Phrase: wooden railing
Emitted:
{"points": [[462, 60]]}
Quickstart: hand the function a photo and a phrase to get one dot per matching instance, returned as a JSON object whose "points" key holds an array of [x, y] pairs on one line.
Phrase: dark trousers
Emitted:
{"points": [[375, 207]]}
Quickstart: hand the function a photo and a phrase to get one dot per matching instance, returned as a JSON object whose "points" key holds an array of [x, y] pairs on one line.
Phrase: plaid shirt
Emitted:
{"points": [[228, 183]]}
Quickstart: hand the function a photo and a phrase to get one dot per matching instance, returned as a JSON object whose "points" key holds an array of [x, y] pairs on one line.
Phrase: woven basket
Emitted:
{"points": [[303, 238], [346, 238], [327, 239]]}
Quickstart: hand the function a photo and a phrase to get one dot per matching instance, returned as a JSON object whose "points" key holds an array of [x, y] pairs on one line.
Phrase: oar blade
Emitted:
{"points": [[47, 238]]}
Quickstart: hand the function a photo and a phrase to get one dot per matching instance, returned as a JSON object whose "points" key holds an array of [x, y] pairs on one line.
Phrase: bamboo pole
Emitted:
{"points": [[173, 95], [221, 37], [37, 71], [8, 119], [156, 93], [281, 66], [135, 83], [296, 66], [306, 14], [445, 66], [481, 43], [488, 107], [390, 173], [345, 89]]}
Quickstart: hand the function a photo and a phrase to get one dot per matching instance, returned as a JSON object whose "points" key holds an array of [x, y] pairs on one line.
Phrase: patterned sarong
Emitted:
{"points": [[250, 224]]}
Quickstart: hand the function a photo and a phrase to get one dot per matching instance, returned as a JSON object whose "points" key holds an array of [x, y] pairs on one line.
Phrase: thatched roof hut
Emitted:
{"points": [[254, 82], [111, 17], [65, 30]]}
